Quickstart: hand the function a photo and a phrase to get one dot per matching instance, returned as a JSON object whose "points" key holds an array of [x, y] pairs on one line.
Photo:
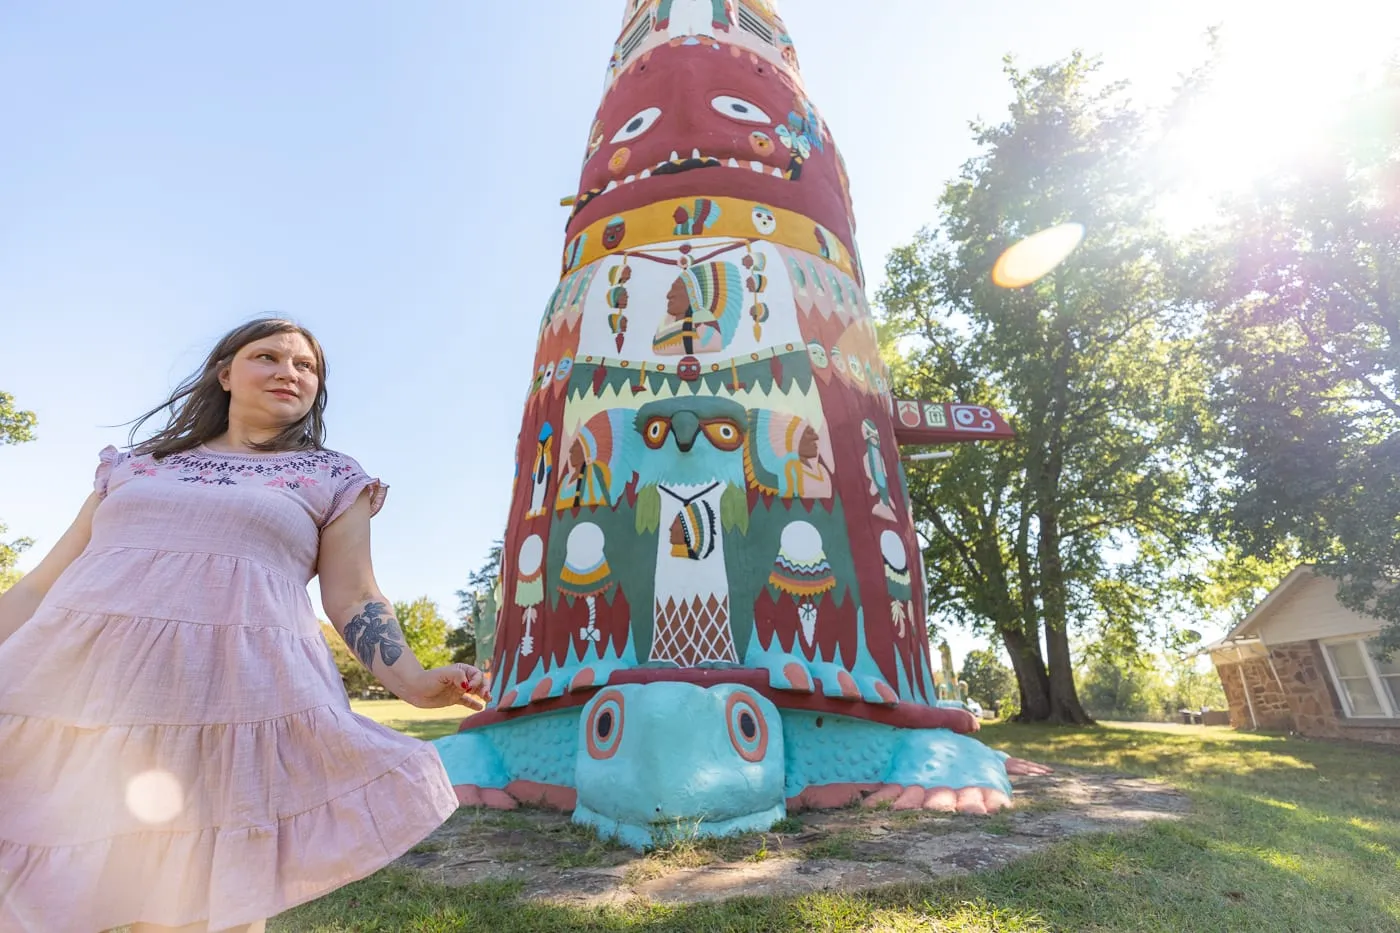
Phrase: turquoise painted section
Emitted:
{"points": [[862, 668], [680, 753], [534, 748], [843, 750], [679, 758], [471, 758], [840, 751], [639, 837]]}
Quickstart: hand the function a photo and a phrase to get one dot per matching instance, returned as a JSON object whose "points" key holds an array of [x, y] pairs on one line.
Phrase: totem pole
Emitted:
{"points": [[712, 599]]}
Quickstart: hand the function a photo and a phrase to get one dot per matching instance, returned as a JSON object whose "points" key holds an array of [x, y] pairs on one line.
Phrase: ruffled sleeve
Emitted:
{"points": [[108, 458], [348, 488]]}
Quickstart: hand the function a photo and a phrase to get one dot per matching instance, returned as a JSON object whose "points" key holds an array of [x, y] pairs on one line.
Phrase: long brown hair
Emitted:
{"points": [[199, 407]]}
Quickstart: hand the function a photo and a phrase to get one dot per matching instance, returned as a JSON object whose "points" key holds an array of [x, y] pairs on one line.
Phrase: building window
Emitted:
{"points": [[1369, 688]]}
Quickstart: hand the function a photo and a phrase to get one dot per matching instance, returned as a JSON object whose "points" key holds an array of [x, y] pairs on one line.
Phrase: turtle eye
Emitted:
{"points": [[656, 432], [724, 434], [748, 727], [605, 726]]}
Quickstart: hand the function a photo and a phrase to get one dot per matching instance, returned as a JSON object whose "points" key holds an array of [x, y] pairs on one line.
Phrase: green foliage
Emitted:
{"points": [[1149, 689], [1079, 522], [425, 630], [357, 679], [473, 603], [16, 427], [989, 682], [1304, 279]]}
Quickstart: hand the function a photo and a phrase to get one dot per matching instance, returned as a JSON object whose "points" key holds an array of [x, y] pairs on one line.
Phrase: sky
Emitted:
{"points": [[390, 175]]}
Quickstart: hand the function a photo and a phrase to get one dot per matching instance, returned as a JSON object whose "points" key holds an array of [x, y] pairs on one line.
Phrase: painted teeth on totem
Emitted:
{"points": [[758, 167], [612, 186], [695, 153], [778, 173], [646, 173], [733, 162], [629, 179], [675, 156]]}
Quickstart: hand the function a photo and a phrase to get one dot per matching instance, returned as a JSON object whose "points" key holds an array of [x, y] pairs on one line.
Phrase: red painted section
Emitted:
{"points": [[905, 715], [553, 796], [959, 424], [682, 83]]}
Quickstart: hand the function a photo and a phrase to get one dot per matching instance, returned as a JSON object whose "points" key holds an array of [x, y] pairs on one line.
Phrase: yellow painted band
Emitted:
{"points": [[656, 224]]}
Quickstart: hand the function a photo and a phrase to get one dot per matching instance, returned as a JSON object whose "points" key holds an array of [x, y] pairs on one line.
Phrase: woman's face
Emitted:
{"points": [[271, 382]]}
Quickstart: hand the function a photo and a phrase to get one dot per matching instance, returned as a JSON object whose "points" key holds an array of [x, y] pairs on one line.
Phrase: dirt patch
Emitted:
{"points": [[847, 849]]}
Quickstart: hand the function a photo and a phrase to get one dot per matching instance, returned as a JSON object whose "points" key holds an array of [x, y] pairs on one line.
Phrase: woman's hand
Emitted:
{"points": [[449, 686]]}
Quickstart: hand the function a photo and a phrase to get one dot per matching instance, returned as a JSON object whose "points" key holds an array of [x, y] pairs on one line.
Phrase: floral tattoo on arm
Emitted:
{"points": [[373, 630]]}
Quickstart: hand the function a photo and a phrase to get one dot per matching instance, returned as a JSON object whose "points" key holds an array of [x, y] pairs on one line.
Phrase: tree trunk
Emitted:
{"points": [[1031, 678]]}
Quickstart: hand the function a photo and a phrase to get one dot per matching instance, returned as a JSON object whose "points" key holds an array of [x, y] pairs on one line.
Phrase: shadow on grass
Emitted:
{"points": [[1285, 833]]}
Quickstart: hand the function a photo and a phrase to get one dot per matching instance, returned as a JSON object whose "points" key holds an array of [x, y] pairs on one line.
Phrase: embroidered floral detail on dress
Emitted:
{"points": [[284, 471]]}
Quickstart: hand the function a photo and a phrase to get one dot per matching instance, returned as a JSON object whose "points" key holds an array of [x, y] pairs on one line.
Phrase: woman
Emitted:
{"points": [[179, 752]]}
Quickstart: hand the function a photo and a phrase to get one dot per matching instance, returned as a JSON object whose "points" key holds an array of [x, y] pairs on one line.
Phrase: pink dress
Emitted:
{"points": [[175, 742]]}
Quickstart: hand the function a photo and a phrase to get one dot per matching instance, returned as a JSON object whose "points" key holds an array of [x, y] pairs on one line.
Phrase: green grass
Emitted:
{"points": [[425, 724], [1284, 834]]}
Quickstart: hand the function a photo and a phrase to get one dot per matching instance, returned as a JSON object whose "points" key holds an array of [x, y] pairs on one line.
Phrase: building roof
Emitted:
{"points": [[1250, 623]]}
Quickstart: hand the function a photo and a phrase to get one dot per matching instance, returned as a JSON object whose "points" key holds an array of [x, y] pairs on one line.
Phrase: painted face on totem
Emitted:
{"points": [[677, 300], [691, 121]]}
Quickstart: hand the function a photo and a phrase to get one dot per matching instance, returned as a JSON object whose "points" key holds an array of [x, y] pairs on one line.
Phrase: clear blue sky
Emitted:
{"points": [[389, 174]]}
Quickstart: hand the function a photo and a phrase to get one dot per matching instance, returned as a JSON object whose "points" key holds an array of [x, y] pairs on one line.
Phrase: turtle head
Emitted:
{"points": [[661, 760]]}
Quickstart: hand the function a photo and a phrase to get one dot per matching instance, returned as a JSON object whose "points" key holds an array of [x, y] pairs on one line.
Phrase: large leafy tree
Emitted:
{"points": [[988, 680], [1306, 335], [16, 427], [1078, 522], [425, 631]]}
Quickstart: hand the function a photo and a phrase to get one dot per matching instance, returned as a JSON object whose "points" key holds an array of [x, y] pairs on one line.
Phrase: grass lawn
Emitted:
{"points": [[425, 724], [1285, 834]]}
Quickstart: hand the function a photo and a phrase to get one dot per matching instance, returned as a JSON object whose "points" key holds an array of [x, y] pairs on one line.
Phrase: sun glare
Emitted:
{"points": [[1037, 255], [1282, 74]]}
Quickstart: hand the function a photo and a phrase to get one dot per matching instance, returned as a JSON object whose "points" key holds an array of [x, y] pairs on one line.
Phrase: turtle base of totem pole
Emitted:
{"points": [[719, 752]]}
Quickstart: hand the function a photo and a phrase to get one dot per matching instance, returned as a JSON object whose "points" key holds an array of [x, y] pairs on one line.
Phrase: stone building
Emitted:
{"points": [[1303, 662]]}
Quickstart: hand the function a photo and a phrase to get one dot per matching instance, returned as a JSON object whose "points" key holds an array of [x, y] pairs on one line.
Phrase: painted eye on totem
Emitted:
{"points": [[655, 432], [748, 728], [726, 435], [638, 125], [736, 108], [548, 372], [604, 725]]}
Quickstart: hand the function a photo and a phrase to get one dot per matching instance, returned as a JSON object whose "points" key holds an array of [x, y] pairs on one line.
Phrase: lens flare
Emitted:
{"points": [[1037, 255], [155, 797]]}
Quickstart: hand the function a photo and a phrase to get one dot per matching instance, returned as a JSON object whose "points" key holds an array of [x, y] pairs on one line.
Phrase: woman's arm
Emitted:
{"points": [[18, 603], [365, 619]]}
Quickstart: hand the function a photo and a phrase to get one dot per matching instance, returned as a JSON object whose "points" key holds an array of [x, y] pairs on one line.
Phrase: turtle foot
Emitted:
{"points": [[530, 793], [978, 800], [1023, 768]]}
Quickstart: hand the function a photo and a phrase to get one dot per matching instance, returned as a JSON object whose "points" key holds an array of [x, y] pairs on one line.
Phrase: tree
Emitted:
{"points": [[988, 680], [1305, 279], [472, 604], [354, 675], [16, 427], [1080, 520], [425, 630]]}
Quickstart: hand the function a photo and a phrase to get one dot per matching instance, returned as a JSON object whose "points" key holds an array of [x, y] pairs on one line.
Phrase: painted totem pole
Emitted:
{"points": [[711, 581]]}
